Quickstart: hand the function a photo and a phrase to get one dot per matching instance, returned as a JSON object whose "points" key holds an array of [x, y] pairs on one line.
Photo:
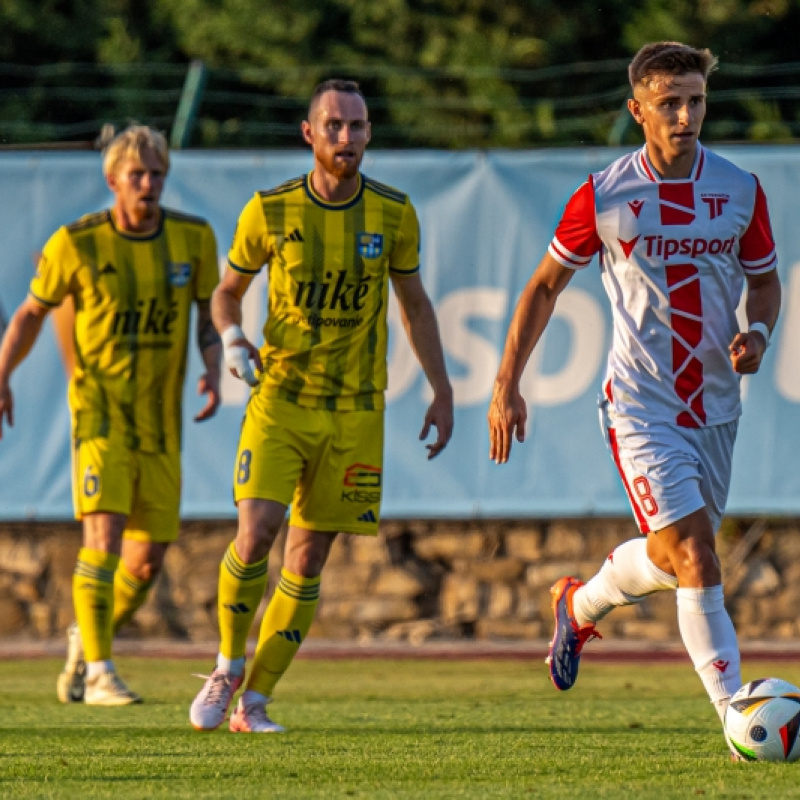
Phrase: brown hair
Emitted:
{"points": [[670, 58], [131, 142], [333, 85]]}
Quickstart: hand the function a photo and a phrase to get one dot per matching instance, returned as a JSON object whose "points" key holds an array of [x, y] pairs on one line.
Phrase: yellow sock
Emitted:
{"points": [[93, 598], [129, 595], [283, 629], [241, 587]]}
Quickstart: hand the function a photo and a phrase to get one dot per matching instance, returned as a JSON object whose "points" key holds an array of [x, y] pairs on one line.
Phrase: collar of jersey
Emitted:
{"points": [[315, 198], [139, 237], [652, 173]]}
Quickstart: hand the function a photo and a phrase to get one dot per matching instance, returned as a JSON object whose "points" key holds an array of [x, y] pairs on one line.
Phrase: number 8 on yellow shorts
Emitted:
{"points": [[328, 465]]}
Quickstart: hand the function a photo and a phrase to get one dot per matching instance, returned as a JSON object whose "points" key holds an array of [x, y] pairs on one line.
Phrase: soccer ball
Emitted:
{"points": [[762, 722]]}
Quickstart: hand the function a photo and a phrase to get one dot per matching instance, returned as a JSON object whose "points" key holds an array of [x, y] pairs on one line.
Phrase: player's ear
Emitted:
{"points": [[305, 129], [636, 110]]}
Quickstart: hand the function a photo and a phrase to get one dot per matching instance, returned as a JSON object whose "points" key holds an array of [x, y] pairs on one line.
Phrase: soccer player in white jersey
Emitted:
{"points": [[679, 231]]}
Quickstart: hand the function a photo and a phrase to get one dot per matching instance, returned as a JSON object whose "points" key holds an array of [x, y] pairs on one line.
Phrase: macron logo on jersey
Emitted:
{"points": [[676, 203], [627, 247], [636, 207]]}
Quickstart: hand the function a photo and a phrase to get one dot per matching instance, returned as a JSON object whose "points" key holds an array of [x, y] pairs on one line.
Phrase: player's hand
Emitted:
{"points": [[6, 406], [747, 350], [439, 414], [238, 352], [209, 386], [507, 416]]}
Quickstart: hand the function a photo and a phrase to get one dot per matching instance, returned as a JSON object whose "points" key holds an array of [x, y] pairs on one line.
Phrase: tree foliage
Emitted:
{"points": [[440, 73]]}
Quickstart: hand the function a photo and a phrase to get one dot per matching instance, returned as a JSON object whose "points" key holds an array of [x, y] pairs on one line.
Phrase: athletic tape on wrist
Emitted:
{"points": [[231, 334]]}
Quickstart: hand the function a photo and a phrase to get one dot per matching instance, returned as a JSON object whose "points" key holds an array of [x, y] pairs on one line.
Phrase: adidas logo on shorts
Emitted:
{"points": [[368, 516]]}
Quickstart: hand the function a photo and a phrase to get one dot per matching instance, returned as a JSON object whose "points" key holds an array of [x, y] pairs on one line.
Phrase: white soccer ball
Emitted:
{"points": [[762, 722]]}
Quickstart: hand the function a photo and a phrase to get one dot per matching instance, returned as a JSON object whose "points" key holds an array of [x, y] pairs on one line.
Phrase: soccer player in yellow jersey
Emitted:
{"points": [[312, 434], [132, 273]]}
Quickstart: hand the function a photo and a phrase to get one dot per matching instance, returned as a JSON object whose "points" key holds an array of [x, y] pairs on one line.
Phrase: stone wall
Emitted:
{"points": [[419, 580]]}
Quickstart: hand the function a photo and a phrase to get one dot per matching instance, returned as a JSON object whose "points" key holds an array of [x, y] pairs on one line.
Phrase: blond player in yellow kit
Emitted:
{"points": [[312, 435], [132, 273]]}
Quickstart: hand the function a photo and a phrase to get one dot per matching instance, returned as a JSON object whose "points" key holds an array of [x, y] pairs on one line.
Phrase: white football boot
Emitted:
{"points": [[108, 689], [253, 718], [210, 707], [71, 683]]}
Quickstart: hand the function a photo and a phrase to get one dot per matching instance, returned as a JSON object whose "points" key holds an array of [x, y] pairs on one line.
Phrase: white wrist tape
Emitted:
{"points": [[236, 357], [760, 327], [231, 334]]}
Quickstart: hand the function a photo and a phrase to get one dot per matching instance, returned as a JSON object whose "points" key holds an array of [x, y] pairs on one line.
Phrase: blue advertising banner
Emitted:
{"points": [[486, 221]]}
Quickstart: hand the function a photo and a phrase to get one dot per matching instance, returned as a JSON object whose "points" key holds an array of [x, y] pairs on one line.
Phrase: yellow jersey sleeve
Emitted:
{"points": [[208, 268], [55, 270], [249, 250], [405, 257]]}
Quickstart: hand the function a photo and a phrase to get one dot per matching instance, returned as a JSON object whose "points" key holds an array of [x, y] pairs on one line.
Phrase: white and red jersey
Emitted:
{"points": [[673, 256]]}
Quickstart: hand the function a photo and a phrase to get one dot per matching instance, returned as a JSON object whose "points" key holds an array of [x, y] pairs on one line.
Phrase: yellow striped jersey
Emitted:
{"points": [[329, 263], [133, 297]]}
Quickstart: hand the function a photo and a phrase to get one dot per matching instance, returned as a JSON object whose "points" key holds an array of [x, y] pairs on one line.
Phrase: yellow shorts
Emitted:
{"points": [[328, 465], [146, 487]]}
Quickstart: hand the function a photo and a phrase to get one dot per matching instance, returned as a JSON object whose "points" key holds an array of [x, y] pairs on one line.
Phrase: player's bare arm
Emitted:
{"points": [[20, 336], [420, 324], [226, 313], [210, 346], [507, 410], [763, 304]]}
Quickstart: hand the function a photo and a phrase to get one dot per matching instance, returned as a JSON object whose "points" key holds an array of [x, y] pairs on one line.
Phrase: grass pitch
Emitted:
{"points": [[387, 729]]}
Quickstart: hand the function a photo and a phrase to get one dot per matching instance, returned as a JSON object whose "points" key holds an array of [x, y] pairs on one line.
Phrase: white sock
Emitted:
{"points": [[95, 668], [626, 577], [710, 639], [235, 666]]}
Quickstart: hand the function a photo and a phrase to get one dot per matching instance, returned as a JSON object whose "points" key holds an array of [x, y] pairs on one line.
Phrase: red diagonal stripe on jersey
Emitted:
{"points": [[627, 247], [689, 379], [674, 216], [686, 298], [697, 407], [678, 194], [677, 203], [678, 273], [690, 330], [680, 355]]}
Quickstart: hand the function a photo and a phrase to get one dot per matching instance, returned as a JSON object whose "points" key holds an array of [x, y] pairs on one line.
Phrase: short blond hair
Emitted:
{"points": [[130, 143]]}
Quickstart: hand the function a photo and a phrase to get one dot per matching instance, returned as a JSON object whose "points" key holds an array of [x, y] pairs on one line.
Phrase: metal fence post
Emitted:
{"points": [[188, 105]]}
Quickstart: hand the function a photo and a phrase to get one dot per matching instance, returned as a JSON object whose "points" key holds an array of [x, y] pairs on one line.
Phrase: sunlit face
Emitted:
{"points": [[338, 132], [670, 109], [137, 184]]}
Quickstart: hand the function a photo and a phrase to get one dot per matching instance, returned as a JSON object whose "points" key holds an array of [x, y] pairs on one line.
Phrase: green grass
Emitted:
{"points": [[387, 729]]}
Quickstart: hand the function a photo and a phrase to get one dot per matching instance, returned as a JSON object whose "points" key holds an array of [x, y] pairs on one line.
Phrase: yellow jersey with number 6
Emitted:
{"points": [[132, 296]]}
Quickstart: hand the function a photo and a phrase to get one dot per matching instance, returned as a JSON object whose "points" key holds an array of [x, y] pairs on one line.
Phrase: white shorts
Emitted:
{"points": [[670, 472]]}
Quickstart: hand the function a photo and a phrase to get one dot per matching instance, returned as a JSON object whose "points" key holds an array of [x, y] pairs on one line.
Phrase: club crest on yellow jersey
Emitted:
{"points": [[370, 245], [179, 273]]}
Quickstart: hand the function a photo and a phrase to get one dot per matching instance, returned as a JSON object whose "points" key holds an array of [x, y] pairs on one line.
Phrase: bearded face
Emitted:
{"points": [[338, 131]]}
